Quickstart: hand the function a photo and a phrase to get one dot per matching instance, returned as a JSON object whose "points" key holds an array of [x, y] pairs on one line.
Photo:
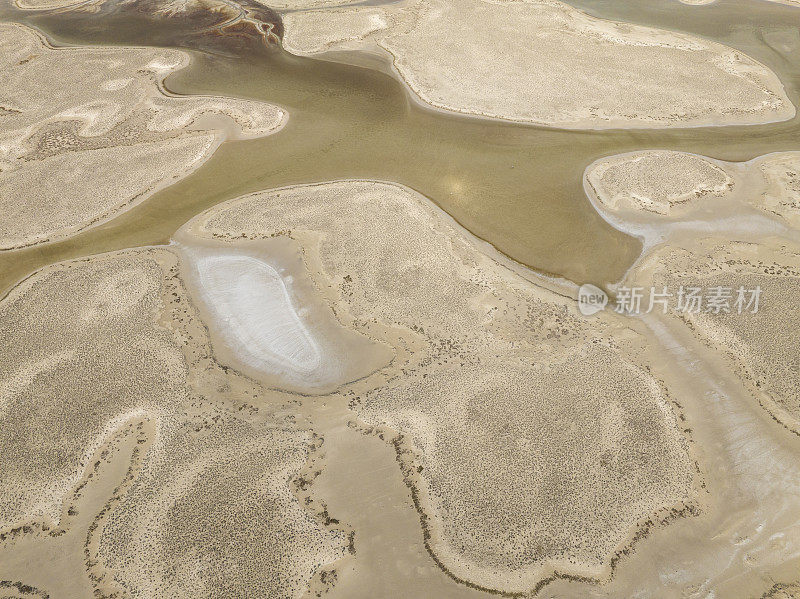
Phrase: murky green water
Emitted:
{"points": [[519, 187]]}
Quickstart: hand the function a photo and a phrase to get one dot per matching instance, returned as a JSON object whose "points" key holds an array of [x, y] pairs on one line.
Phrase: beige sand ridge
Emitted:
{"points": [[220, 458], [215, 515], [447, 52], [519, 473], [72, 116]]}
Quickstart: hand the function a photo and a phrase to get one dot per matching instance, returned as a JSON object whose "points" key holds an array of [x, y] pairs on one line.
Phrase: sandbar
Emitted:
{"points": [[69, 113], [639, 77]]}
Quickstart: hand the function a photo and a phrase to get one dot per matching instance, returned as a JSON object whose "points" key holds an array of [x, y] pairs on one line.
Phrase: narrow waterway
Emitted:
{"points": [[516, 186]]}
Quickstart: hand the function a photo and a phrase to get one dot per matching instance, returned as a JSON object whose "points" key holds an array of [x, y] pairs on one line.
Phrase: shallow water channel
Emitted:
{"points": [[516, 186]]}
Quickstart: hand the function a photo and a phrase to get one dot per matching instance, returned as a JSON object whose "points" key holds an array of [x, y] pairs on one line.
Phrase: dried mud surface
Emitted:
{"points": [[267, 320]]}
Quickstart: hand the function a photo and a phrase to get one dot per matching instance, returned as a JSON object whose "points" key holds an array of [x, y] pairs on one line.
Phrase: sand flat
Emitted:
{"points": [[69, 112], [47, 4], [669, 188], [99, 187], [639, 76], [125, 347], [727, 225], [729, 230], [497, 507], [264, 316], [704, 2]]}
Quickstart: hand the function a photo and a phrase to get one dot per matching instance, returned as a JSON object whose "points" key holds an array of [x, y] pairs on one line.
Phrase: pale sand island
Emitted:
{"points": [[660, 182], [71, 116], [674, 187], [526, 61], [48, 4]]}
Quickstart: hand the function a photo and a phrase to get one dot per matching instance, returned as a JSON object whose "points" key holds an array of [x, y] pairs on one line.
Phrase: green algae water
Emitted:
{"points": [[519, 187]]}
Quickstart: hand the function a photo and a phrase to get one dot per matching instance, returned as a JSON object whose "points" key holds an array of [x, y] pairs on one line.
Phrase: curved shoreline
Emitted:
{"points": [[212, 137], [537, 577], [516, 248], [379, 40]]}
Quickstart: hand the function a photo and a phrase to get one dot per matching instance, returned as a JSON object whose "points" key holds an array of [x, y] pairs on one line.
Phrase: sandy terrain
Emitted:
{"points": [[670, 187], [46, 4], [660, 78], [655, 181], [723, 224], [75, 114], [703, 2], [334, 390], [213, 516], [781, 174], [215, 456], [783, 591], [305, 4], [498, 506], [767, 364]]}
